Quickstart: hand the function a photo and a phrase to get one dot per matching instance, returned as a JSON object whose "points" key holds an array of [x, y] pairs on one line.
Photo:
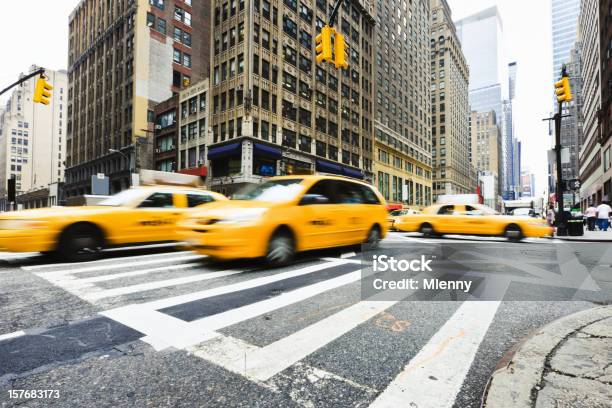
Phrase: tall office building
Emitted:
{"points": [[450, 108], [486, 153], [605, 24], [274, 111], [590, 160], [402, 159], [124, 57], [564, 29], [33, 142], [481, 37], [512, 189]]}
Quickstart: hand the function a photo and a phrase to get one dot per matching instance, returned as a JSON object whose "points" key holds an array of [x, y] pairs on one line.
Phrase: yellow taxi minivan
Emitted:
{"points": [[137, 215], [288, 214]]}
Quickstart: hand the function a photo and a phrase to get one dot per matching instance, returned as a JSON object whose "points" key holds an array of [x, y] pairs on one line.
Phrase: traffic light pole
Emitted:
{"points": [[560, 222], [39, 71], [334, 13]]}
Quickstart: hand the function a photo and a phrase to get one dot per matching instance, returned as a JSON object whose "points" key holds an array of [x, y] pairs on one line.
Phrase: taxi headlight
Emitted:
{"points": [[243, 216], [22, 224]]}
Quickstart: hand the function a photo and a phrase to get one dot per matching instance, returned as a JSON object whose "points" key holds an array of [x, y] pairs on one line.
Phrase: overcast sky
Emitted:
{"points": [[36, 32]]}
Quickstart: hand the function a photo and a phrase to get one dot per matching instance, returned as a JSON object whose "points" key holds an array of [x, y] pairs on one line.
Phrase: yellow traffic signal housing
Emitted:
{"points": [[340, 51], [563, 90], [42, 92], [324, 45]]}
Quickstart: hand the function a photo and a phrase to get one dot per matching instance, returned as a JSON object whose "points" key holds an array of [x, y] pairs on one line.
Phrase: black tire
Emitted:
{"points": [[427, 230], [513, 233], [80, 243], [373, 238], [281, 248]]}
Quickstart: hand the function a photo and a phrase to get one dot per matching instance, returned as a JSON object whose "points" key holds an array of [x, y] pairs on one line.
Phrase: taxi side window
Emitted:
{"points": [[321, 193], [349, 193], [369, 195], [158, 200], [446, 210], [194, 200]]}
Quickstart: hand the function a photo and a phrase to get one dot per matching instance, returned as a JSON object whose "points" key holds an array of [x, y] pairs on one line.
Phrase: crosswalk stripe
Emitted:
{"points": [[262, 363], [129, 264], [102, 261], [126, 290], [205, 328], [12, 335], [248, 284], [105, 278], [434, 376]]}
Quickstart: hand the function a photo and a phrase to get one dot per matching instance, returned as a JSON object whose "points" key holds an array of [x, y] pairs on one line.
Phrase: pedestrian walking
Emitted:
{"points": [[550, 215], [603, 216], [591, 217]]}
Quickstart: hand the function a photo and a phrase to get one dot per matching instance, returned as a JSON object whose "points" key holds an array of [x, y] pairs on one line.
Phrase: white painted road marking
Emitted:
{"points": [[125, 290], [120, 265], [162, 332], [434, 376], [262, 363], [12, 335], [103, 261]]}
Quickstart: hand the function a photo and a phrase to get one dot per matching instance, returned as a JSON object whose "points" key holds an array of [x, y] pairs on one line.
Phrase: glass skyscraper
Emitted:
{"points": [[564, 25]]}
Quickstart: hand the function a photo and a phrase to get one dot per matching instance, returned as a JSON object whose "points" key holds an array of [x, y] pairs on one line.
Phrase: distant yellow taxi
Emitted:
{"points": [[395, 214], [137, 215], [285, 215], [473, 219]]}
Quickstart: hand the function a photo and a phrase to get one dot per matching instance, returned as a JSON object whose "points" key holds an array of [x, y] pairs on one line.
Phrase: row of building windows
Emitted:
{"points": [[396, 189]]}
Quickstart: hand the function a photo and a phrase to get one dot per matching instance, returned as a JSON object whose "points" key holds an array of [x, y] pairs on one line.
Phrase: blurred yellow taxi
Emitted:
{"points": [[471, 219], [395, 214], [285, 215], [137, 215]]}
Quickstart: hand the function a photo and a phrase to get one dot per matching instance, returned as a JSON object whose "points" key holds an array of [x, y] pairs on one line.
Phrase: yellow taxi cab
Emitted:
{"points": [[471, 219], [137, 215], [285, 215], [395, 214]]}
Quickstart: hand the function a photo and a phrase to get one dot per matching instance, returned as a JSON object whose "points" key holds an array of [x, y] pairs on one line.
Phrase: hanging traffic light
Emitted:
{"points": [[42, 91], [563, 90], [324, 45], [340, 51]]}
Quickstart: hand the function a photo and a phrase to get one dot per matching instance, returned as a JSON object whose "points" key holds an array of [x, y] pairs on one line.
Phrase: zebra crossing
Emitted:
{"points": [[197, 307]]}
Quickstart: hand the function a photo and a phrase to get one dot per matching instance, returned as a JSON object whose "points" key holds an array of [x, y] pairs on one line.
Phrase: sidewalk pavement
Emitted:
{"points": [[594, 236], [566, 364]]}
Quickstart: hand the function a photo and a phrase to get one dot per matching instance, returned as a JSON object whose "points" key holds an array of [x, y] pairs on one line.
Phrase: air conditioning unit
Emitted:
{"points": [[158, 151], [158, 127]]}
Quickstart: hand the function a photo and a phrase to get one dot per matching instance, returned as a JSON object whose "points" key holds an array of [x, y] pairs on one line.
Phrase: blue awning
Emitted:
{"points": [[328, 167], [347, 171], [222, 151], [268, 151]]}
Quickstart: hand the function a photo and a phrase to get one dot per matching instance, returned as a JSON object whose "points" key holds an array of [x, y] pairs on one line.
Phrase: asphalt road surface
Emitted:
{"points": [[165, 327]]}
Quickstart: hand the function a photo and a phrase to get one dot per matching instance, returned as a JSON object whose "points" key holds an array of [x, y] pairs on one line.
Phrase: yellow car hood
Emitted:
{"points": [[221, 208]]}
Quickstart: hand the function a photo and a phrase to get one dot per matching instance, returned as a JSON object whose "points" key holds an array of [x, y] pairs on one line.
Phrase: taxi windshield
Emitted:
{"points": [[122, 198], [272, 191]]}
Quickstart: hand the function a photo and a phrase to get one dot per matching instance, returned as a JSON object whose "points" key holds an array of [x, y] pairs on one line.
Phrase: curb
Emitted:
{"points": [[583, 239], [514, 383]]}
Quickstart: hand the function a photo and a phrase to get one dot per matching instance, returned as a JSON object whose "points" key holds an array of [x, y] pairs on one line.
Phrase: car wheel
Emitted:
{"points": [[427, 230], [281, 249], [513, 233], [373, 238], [80, 243]]}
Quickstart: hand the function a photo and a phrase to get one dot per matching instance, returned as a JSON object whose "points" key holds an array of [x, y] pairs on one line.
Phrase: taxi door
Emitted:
{"points": [[321, 216], [354, 217], [156, 216], [475, 221]]}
